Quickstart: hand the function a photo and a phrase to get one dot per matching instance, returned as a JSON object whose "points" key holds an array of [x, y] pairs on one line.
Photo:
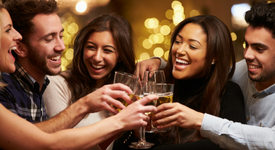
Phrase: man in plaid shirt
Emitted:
{"points": [[39, 55]]}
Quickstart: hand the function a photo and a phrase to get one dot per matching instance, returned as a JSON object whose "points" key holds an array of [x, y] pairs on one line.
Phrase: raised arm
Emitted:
{"points": [[17, 133], [101, 99]]}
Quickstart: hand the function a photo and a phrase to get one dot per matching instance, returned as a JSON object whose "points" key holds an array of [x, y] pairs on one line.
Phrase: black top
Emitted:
{"points": [[232, 108]]}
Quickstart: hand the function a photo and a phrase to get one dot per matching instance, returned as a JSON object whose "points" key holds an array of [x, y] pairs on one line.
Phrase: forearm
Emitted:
{"points": [[232, 135], [68, 118], [25, 135], [89, 136]]}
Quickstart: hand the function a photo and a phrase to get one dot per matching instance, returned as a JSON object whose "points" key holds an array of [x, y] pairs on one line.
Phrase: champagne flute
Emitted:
{"points": [[150, 78], [128, 79], [165, 93], [142, 143]]}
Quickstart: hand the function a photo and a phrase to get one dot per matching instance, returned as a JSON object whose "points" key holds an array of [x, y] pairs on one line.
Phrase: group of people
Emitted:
{"points": [[217, 104]]}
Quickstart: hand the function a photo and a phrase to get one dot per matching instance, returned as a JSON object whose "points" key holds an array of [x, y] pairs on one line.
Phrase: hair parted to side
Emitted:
{"points": [[262, 14], [220, 48], [121, 31], [23, 11]]}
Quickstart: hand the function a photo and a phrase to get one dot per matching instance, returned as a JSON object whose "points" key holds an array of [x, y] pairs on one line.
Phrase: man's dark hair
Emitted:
{"points": [[262, 14], [23, 11]]}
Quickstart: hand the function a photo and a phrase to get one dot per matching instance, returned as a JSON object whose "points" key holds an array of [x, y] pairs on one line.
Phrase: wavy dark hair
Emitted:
{"points": [[23, 11], [79, 80], [262, 14], [220, 48]]}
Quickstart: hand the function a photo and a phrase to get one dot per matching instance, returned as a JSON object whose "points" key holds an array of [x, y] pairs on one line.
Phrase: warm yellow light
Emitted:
{"points": [[233, 36], [166, 55], [144, 56], [165, 30], [66, 38], [169, 14], [151, 23], [69, 54], [81, 6], [159, 38], [64, 63], [158, 52], [175, 4], [146, 44], [72, 28], [152, 39], [194, 12], [167, 42], [244, 45], [178, 19]]}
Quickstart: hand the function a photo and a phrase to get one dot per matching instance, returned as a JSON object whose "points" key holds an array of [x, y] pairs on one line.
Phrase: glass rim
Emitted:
{"points": [[128, 74]]}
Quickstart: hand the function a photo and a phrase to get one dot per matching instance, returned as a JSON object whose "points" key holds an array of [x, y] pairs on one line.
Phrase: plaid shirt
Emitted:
{"points": [[22, 95]]}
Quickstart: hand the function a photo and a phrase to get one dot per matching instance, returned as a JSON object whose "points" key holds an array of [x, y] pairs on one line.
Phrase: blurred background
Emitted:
{"points": [[153, 21]]}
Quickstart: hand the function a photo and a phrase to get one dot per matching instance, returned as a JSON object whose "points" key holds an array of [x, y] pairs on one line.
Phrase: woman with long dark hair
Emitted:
{"points": [[199, 63]]}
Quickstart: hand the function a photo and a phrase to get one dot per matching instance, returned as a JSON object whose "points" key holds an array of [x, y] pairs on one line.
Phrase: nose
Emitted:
{"points": [[17, 36], [60, 46], [181, 50], [249, 53], [98, 55]]}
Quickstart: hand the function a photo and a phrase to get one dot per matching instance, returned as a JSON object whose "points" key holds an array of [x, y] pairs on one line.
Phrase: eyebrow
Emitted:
{"points": [[103, 46], [192, 40], [52, 34], [257, 44], [8, 26]]}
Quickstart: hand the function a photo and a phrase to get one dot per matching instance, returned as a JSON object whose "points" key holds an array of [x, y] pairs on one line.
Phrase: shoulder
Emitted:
{"points": [[232, 88], [240, 71]]}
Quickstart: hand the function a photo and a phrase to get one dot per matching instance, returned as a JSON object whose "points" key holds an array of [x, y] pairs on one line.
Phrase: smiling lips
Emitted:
{"points": [[181, 64], [56, 58], [97, 66]]}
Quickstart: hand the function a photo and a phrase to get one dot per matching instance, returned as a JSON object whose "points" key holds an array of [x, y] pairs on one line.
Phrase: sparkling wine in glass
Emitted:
{"points": [[128, 79]]}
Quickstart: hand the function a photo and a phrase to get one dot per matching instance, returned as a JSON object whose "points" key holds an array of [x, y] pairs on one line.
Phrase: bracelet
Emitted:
{"points": [[128, 137]]}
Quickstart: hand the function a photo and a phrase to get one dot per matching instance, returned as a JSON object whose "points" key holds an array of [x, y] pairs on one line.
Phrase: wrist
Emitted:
{"points": [[81, 106], [199, 120]]}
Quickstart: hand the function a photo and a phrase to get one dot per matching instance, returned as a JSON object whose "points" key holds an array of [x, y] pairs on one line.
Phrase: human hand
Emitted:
{"points": [[134, 115], [176, 114], [149, 64], [104, 97]]}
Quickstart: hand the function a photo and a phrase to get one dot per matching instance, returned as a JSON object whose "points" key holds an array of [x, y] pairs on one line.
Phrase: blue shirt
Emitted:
{"points": [[22, 95], [260, 113]]}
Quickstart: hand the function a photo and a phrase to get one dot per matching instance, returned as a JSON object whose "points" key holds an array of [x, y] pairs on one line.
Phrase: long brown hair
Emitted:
{"points": [[220, 48], [79, 81]]}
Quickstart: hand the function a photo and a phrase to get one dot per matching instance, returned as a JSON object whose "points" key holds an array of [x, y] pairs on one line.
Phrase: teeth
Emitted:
{"points": [[253, 67], [181, 61], [97, 67], [13, 48], [55, 58]]}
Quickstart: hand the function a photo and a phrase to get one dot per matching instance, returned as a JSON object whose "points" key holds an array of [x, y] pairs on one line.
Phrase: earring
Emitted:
{"points": [[213, 63]]}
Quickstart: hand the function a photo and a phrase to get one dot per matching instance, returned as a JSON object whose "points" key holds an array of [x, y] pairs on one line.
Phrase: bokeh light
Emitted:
{"points": [[165, 30], [158, 52], [233, 36], [81, 6], [144, 56], [194, 12], [146, 44], [166, 55]]}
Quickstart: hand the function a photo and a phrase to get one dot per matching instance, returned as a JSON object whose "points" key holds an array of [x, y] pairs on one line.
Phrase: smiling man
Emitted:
{"points": [[38, 55]]}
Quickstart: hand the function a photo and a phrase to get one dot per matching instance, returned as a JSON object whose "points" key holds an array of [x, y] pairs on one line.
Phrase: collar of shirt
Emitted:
{"points": [[26, 80], [263, 93]]}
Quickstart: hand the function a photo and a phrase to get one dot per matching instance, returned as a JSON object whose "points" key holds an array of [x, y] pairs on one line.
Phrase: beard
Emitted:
{"points": [[40, 62], [263, 76]]}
